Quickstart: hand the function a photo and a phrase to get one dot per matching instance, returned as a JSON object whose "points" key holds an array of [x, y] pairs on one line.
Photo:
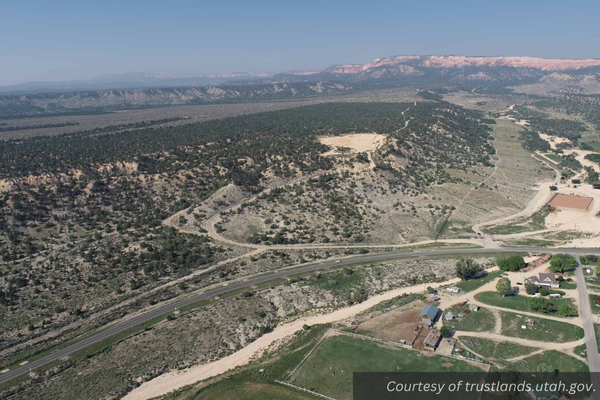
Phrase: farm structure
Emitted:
{"points": [[432, 340], [429, 314]]}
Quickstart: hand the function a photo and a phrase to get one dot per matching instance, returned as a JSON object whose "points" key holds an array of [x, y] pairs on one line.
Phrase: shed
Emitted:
{"points": [[474, 307]]}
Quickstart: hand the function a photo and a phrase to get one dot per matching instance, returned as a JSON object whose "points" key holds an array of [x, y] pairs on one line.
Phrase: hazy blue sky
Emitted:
{"points": [[65, 40]]}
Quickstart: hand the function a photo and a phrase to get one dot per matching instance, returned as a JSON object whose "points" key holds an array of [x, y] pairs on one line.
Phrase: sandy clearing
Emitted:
{"points": [[359, 142], [580, 156], [553, 141], [177, 379]]}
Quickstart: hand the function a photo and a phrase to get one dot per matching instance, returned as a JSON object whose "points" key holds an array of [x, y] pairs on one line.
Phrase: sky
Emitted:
{"points": [[58, 40]]}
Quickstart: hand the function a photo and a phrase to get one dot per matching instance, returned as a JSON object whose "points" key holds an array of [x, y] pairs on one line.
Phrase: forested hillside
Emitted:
{"points": [[81, 213]]}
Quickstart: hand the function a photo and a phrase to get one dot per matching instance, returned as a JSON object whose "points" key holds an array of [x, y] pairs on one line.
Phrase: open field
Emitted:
{"points": [[544, 330], [508, 189], [479, 321], [241, 389], [535, 222], [329, 369], [550, 360], [518, 302], [472, 284], [493, 350]]}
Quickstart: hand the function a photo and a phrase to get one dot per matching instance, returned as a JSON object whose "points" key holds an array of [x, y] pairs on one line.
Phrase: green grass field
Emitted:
{"points": [[518, 303], [544, 330], [480, 321], [568, 285], [550, 360], [240, 388], [581, 350], [329, 368], [491, 349], [473, 284], [554, 157], [595, 307]]}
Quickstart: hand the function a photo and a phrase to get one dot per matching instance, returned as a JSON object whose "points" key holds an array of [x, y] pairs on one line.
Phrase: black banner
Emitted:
{"points": [[467, 386]]}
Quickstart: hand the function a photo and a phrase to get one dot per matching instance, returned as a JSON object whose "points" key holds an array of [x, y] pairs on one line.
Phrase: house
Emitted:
{"points": [[474, 307], [432, 340], [544, 280], [453, 289], [429, 314], [543, 395]]}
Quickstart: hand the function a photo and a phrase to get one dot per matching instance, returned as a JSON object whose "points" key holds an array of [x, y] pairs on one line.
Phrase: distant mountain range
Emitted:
{"points": [[132, 80], [463, 67], [126, 91]]}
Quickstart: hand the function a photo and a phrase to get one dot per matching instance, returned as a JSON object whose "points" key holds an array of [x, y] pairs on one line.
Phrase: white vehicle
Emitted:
{"points": [[338, 261]]}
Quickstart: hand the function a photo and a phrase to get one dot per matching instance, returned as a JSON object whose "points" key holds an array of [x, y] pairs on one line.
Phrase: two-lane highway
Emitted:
{"points": [[173, 306]]}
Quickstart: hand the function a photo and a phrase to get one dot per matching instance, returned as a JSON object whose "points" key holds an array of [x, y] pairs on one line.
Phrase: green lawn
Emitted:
{"points": [[595, 307], [329, 368], [518, 302], [491, 349], [480, 321], [595, 146], [550, 360], [568, 285], [241, 388], [581, 350], [554, 157], [544, 330], [473, 284]]}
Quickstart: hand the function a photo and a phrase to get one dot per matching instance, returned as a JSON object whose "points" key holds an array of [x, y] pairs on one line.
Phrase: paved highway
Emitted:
{"points": [[585, 310], [173, 306]]}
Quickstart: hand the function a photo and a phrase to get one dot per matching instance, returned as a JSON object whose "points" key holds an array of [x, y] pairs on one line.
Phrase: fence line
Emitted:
{"points": [[308, 354], [372, 338], [304, 390]]}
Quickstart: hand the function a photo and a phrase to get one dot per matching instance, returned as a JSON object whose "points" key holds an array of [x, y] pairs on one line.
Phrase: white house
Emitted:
{"points": [[544, 280]]}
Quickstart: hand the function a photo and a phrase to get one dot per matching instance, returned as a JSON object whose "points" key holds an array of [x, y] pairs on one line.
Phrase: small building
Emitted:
{"points": [[474, 307], [453, 289], [432, 340], [544, 280], [448, 316], [429, 314], [530, 321]]}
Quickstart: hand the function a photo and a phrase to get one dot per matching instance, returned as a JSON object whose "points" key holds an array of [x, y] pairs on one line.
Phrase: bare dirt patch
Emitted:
{"points": [[358, 142], [569, 201], [402, 323]]}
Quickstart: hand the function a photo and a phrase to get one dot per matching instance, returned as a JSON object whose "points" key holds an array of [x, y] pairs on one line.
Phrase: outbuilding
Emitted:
{"points": [[429, 314]]}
